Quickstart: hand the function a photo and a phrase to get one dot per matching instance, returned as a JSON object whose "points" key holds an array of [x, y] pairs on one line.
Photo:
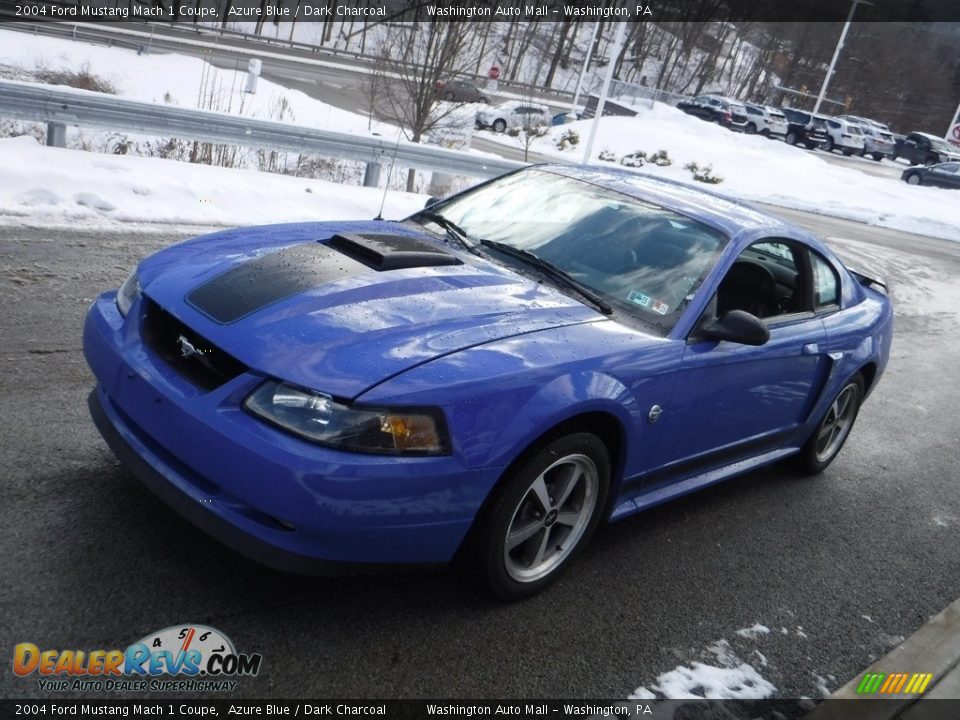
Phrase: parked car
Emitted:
{"points": [[878, 141], [765, 121], [945, 175], [490, 378], [843, 135], [513, 114], [922, 149], [804, 129], [715, 108], [459, 91]]}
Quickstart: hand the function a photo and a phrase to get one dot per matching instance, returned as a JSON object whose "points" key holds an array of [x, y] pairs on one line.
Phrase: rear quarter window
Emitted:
{"points": [[826, 285]]}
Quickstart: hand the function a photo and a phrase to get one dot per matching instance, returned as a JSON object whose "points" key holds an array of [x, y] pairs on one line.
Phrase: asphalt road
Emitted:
{"points": [[839, 567]]}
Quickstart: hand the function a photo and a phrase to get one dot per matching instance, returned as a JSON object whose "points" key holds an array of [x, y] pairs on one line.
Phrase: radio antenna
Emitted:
{"points": [[386, 185]]}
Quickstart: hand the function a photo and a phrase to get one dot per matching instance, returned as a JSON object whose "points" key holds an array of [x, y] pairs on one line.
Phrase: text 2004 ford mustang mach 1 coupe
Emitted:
{"points": [[493, 376]]}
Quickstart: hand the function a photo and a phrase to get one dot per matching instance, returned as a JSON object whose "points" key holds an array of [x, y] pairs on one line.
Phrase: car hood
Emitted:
{"points": [[341, 307]]}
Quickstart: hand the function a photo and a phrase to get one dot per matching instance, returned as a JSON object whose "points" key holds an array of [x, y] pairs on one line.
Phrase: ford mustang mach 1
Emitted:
{"points": [[490, 378]]}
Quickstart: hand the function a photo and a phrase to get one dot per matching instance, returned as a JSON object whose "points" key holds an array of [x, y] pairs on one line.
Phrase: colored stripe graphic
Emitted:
{"points": [[894, 683]]}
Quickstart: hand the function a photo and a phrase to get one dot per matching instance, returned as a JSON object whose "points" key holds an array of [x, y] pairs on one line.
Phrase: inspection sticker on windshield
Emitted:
{"points": [[648, 302]]}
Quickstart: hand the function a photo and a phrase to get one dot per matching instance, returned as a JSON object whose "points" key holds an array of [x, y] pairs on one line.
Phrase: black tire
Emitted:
{"points": [[829, 437], [499, 125], [877, 156], [828, 145], [847, 152], [485, 101], [751, 128], [515, 509], [448, 95], [791, 138], [914, 179]]}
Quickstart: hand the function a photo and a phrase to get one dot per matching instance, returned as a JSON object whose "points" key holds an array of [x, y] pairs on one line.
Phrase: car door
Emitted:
{"points": [[733, 401], [944, 175]]}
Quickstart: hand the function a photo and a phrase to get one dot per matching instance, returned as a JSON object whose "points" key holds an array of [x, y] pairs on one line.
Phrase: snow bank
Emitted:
{"points": [[181, 80], [51, 186], [756, 169]]}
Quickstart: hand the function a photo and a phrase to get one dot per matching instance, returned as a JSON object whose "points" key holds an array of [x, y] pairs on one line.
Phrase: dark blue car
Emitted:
{"points": [[491, 377]]}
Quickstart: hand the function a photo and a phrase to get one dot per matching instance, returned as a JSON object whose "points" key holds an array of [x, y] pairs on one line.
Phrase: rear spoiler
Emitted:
{"points": [[869, 281]]}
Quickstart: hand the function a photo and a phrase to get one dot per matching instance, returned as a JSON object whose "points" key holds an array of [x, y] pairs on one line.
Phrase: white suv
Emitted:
{"points": [[765, 121], [843, 135], [513, 114]]}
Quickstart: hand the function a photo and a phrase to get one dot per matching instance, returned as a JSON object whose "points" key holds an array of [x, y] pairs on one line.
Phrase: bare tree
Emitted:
{"points": [[413, 58]]}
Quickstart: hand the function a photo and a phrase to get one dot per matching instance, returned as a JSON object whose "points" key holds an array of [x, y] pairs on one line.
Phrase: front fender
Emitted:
{"points": [[562, 399]]}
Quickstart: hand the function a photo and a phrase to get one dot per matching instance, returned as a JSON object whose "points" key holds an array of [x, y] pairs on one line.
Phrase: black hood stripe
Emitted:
{"points": [[268, 279]]}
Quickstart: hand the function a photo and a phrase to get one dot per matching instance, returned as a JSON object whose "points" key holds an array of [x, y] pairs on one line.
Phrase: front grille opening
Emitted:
{"points": [[190, 354]]}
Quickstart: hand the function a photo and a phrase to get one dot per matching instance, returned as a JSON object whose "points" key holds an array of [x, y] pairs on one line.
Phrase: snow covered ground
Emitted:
{"points": [[752, 167], [756, 169], [55, 187], [179, 80]]}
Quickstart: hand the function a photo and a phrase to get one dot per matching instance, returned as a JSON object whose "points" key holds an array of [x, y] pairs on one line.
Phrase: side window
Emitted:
{"points": [[764, 281], [826, 288]]}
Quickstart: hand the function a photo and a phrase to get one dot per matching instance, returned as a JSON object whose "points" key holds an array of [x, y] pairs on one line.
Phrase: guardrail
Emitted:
{"points": [[141, 36], [60, 107]]}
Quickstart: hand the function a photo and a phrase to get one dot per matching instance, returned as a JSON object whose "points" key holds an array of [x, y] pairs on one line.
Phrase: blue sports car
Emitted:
{"points": [[490, 378]]}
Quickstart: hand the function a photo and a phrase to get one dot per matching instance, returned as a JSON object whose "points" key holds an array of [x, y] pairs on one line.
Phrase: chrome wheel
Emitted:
{"points": [[913, 179], [837, 423], [551, 518]]}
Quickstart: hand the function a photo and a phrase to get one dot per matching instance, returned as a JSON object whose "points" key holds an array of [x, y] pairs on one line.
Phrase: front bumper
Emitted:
{"points": [[270, 496]]}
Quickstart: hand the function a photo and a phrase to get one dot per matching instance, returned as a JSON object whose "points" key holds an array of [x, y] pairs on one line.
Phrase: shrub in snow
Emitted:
{"points": [[84, 79], [635, 159], [703, 174], [660, 158], [568, 140], [607, 155]]}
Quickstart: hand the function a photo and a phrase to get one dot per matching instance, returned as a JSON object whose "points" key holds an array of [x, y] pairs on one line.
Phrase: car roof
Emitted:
{"points": [[522, 103], [727, 215]]}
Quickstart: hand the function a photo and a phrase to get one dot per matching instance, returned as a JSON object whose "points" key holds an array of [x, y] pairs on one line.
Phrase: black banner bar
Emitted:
{"points": [[285, 11], [169, 707]]}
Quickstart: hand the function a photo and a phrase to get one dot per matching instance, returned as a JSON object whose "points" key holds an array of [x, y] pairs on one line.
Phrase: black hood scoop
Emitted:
{"points": [[384, 251]]}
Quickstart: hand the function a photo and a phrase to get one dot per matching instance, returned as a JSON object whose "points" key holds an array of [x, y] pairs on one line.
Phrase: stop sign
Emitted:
{"points": [[494, 73]]}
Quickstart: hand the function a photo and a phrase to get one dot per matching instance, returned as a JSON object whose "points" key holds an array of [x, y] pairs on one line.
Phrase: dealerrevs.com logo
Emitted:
{"points": [[201, 658]]}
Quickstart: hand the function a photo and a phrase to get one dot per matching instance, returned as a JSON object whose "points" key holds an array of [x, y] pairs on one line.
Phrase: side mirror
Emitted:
{"points": [[431, 201], [737, 326]]}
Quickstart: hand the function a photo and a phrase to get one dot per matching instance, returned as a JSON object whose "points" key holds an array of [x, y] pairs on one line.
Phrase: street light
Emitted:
{"points": [[836, 53]]}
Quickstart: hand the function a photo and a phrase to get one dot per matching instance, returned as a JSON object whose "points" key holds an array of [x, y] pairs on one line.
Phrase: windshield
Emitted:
{"points": [[639, 258]]}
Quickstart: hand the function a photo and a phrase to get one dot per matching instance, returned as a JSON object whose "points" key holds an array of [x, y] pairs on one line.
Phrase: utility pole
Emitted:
{"points": [[617, 44], [586, 65], [836, 53]]}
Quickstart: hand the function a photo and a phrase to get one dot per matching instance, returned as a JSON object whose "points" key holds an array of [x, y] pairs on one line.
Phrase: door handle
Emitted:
{"points": [[810, 349]]}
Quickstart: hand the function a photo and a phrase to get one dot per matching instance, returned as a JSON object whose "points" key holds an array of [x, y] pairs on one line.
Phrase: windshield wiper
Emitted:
{"points": [[551, 271], [453, 230]]}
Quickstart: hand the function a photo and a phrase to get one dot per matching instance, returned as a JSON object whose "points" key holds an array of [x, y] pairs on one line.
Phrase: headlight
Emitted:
{"points": [[128, 292], [320, 419]]}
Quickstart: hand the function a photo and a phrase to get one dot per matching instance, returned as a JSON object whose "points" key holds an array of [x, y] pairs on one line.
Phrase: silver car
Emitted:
{"points": [[878, 141], [765, 120]]}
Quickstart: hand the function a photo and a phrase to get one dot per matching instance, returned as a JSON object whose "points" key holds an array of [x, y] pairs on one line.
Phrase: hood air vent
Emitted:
{"points": [[381, 251]]}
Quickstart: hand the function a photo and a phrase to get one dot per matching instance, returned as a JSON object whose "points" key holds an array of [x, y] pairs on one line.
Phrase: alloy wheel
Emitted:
{"points": [[837, 423], [551, 517]]}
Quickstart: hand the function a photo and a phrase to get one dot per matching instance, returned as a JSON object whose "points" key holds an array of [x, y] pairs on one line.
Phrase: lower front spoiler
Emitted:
{"points": [[233, 537]]}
